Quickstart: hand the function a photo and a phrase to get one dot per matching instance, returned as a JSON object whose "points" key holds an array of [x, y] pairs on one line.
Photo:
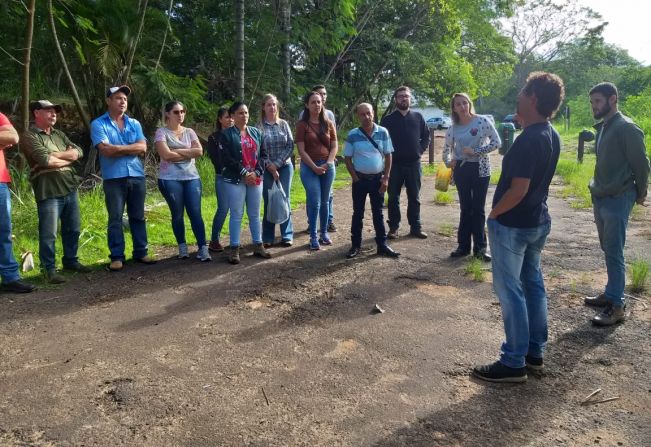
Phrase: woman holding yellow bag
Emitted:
{"points": [[467, 144]]}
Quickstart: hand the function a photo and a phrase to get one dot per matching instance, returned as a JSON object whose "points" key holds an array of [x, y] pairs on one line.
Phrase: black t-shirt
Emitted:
{"points": [[534, 156], [409, 135]]}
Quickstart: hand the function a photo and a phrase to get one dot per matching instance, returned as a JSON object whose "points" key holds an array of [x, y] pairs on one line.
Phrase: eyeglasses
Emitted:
{"points": [[403, 96], [178, 112]]}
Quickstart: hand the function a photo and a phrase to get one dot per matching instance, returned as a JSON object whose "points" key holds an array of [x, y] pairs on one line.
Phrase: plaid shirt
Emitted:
{"points": [[278, 142]]}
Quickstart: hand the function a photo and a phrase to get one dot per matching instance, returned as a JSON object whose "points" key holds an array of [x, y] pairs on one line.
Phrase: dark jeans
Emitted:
{"points": [[472, 191], [407, 174], [129, 191], [184, 195], [66, 209], [367, 186]]}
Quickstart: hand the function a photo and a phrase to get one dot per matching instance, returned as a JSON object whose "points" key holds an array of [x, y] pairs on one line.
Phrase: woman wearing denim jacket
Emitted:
{"points": [[242, 155], [467, 145], [178, 178], [279, 145], [224, 121], [316, 139]]}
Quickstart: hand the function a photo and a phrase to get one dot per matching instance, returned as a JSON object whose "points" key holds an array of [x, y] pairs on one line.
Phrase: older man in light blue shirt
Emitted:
{"points": [[367, 152], [120, 142]]}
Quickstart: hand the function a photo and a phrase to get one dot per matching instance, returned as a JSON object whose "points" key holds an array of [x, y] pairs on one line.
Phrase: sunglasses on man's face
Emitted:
{"points": [[178, 112]]}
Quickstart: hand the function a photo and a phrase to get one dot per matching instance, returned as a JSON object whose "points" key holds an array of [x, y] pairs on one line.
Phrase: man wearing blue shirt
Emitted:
{"points": [[120, 142], [367, 153]]}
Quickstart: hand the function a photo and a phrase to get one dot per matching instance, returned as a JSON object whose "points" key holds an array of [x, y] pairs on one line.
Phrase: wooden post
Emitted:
{"points": [[431, 145]]}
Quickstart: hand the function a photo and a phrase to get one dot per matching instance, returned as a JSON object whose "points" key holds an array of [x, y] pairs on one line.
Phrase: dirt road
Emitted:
{"points": [[287, 352]]}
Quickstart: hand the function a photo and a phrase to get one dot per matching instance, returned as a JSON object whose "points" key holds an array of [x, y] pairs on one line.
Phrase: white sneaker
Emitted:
{"points": [[203, 254], [183, 251]]}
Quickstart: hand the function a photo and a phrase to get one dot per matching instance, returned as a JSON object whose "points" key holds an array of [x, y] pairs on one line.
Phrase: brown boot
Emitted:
{"points": [[260, 251], [234, 256]]}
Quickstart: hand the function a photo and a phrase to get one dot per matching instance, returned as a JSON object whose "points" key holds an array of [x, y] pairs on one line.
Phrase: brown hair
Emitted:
{"points": [[266, 98], [455, 115], [549, 91]]}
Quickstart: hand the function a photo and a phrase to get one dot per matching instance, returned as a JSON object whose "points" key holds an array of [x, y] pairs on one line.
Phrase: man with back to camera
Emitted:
{"points": [[11, 281], [518, 226], [367, 152], [120, 142], [50, 155], [410, 137], [620, 180]]}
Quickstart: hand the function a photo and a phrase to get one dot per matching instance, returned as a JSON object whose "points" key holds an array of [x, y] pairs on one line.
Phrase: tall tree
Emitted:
{"points": [[540, 28], [29, 34], [64, 64], [239, 47], [285, 9]]}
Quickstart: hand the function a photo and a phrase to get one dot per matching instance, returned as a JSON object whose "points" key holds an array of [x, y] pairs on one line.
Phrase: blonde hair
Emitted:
{"points": [[453, 114], [266, 98]]}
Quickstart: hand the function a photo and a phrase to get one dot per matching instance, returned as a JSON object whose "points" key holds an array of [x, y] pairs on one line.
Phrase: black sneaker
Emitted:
{"points": [[534, 363], [18, 286], [332, 228], [498, 372]]}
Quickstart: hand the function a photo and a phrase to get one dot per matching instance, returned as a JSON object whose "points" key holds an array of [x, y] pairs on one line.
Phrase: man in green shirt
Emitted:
{"points": [[51, 156], [620, 180]]}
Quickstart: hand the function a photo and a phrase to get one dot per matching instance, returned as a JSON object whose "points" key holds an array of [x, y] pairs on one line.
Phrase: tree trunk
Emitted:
{"points": [[73, 89], [27, 62], [167, 29], [134, 43], [239, 48], [286, 30]]}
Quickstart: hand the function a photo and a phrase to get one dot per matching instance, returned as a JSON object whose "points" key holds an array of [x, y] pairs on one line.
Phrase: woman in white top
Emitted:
{"points": [[467, 145], [178, 178]]}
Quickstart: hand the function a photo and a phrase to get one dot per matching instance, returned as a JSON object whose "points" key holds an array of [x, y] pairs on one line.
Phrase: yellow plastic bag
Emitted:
{"points": [[443, 175]]}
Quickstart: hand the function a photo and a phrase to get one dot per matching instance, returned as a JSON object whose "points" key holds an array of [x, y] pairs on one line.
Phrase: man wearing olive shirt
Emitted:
{"points": [[51, 156]]}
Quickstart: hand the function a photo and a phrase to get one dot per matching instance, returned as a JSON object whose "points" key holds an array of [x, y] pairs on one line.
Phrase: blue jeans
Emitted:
{"points": [[238, 195], [408, 174], [286, 228], [518, 283], [184, 195], [331, 211], [222, 208], [317, 192], [472, 191], [611, 216], [129, 191], [8, 264], [50, 211]]}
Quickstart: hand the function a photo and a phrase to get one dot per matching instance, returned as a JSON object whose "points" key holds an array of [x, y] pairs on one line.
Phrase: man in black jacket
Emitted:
{"points": [[410, 137]]}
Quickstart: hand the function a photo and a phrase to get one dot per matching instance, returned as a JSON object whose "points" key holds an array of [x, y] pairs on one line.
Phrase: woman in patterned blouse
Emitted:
{"points": [[279, 145], [467, 145]]}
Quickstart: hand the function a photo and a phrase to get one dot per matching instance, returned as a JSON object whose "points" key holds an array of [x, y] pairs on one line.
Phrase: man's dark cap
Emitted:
{"points": [[44, 104], [122, 88]]}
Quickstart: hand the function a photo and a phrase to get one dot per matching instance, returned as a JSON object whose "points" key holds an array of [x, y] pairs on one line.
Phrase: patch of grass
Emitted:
{"points": [[495, 176], [638, 212], [443, 198], [475, 269], [576, 177], [446, 230], [639, 271]]}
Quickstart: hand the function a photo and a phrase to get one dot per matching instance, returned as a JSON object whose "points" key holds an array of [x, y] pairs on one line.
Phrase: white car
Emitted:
{"points": [[439, 122]]}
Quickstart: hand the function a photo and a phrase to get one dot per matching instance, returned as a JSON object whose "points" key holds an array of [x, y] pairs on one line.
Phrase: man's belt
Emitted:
{"points": [[369, 176]]}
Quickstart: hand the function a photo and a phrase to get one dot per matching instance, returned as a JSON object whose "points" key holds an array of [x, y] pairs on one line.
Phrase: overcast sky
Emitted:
{"points": [[628, 25]]}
